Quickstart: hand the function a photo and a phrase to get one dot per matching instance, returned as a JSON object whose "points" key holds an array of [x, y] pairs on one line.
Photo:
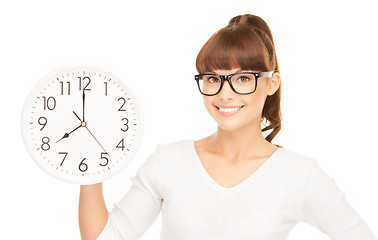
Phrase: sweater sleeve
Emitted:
{"points": [[325, 208], [136, 212]]}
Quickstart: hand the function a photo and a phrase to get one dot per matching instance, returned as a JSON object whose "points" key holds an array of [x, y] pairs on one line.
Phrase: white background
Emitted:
{"points": [[327, 51]]}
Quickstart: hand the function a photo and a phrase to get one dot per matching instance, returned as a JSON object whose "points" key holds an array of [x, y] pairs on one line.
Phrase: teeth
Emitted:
{"points": [[229, 109]]}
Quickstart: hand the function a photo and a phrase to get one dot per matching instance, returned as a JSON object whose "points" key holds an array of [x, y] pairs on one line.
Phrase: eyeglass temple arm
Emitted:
{"points": [[266, 74]]}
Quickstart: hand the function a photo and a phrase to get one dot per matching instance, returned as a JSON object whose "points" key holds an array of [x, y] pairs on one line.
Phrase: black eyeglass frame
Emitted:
{"points": [[228, 79]]}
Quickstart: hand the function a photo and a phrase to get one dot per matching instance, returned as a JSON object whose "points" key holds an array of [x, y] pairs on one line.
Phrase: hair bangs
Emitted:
{"points": [[233, 47]]}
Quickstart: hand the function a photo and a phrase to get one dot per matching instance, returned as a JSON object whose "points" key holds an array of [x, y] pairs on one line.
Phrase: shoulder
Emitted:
{"points": [[176, 158], [294, 161], [176, 152], [292, 169], [164, 151], [167, 157], [175, 146], [293, 156], [306, 169]]}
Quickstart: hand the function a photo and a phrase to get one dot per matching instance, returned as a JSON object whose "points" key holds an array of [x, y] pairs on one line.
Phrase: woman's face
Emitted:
{"points": [[233, 111]]}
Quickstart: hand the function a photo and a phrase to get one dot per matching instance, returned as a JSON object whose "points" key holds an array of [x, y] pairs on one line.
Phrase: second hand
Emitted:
{"points": [[84, 124], [97, 141]]}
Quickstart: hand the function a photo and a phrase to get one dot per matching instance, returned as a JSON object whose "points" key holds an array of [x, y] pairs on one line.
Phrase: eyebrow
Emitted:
{"points": [[239, 71]]}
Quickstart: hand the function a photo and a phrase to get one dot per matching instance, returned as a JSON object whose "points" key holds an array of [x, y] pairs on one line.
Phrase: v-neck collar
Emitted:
{"points": [[237, 188]]}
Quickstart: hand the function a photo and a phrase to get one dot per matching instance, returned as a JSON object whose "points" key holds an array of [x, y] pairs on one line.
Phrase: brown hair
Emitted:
{"points": [[246, 42]]}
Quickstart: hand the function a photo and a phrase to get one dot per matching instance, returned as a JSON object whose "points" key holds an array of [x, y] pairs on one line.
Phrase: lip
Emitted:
{"points": [[228, 114], [223, 106]]}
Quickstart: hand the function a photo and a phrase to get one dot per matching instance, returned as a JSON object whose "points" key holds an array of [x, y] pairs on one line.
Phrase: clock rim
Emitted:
{"points": [[42, 82]]}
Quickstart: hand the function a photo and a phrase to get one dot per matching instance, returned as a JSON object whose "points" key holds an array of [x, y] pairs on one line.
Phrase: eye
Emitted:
{"points": [[243, 79], [213, 79]]}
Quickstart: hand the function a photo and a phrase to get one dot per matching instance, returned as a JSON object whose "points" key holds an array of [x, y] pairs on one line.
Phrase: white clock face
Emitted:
{"points": [[82, 124]]}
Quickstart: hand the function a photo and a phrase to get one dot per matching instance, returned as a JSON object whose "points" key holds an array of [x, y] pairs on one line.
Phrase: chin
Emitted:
{"points": [[242, 120], [238, 124], [230, 126]]}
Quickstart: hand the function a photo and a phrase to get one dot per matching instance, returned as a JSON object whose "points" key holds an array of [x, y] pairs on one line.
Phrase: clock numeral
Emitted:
{"points": [[65, 155], [84, 78], [45, 143], [121, 144], [106, 88], [69, 88], [124, 101], [81, 165], [127, 126], [50, 103], [102, 157], [42, 123]]}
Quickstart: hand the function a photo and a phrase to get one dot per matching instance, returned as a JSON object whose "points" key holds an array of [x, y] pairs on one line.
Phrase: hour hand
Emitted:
{"points": [[77, 116], [66, 135]]}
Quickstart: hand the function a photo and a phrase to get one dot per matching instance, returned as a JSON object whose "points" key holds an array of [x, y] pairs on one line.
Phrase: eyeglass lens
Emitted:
{"points": [[242, 83]]}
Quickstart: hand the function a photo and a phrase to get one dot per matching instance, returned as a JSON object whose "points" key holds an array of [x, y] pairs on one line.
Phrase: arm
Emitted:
{"points": [[93, 214], [325, 207], [133, 214]]}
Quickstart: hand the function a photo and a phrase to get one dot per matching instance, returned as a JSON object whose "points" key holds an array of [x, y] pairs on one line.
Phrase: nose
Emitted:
{"points": [[226, 92]]}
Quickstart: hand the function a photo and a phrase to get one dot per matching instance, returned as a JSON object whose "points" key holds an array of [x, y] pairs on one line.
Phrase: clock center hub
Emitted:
{"points": [[83, 124]]}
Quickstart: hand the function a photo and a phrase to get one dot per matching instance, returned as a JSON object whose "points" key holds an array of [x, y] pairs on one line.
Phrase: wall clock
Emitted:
{"points": [[82, 124]]}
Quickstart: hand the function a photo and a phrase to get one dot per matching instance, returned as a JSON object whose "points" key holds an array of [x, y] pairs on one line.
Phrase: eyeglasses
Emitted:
{"points": [[242, 82]]}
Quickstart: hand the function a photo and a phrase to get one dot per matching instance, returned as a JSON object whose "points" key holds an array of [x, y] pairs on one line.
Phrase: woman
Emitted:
{"points": [[233, 184]]}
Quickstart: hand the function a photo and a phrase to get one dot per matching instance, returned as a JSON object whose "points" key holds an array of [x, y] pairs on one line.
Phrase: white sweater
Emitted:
{"points": [[287, 188]]}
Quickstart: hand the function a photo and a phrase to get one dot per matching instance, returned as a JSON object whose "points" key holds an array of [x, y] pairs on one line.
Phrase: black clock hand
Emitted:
{"points": [[83, 124], [83, 104], [97, 141], [77, 116], [66, 135]]}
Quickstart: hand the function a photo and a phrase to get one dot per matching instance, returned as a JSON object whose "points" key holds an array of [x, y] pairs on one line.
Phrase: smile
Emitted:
{"points": [[228, 111]]}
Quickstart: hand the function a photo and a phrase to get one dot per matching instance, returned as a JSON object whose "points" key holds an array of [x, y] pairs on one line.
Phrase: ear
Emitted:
{"points": [[274, 83]]}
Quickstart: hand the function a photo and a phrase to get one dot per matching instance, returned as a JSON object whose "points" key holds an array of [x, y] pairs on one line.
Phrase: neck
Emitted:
{"points": [[243, 143]]}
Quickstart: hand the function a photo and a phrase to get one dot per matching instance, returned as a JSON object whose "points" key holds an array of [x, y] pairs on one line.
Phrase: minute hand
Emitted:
{"points": [[83, 104]]}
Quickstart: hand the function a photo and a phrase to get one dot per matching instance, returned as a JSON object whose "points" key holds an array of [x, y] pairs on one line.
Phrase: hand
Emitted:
{"points": [[66, 135], [84, 124], [83, 104], [97, 141], [78, 117]]}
